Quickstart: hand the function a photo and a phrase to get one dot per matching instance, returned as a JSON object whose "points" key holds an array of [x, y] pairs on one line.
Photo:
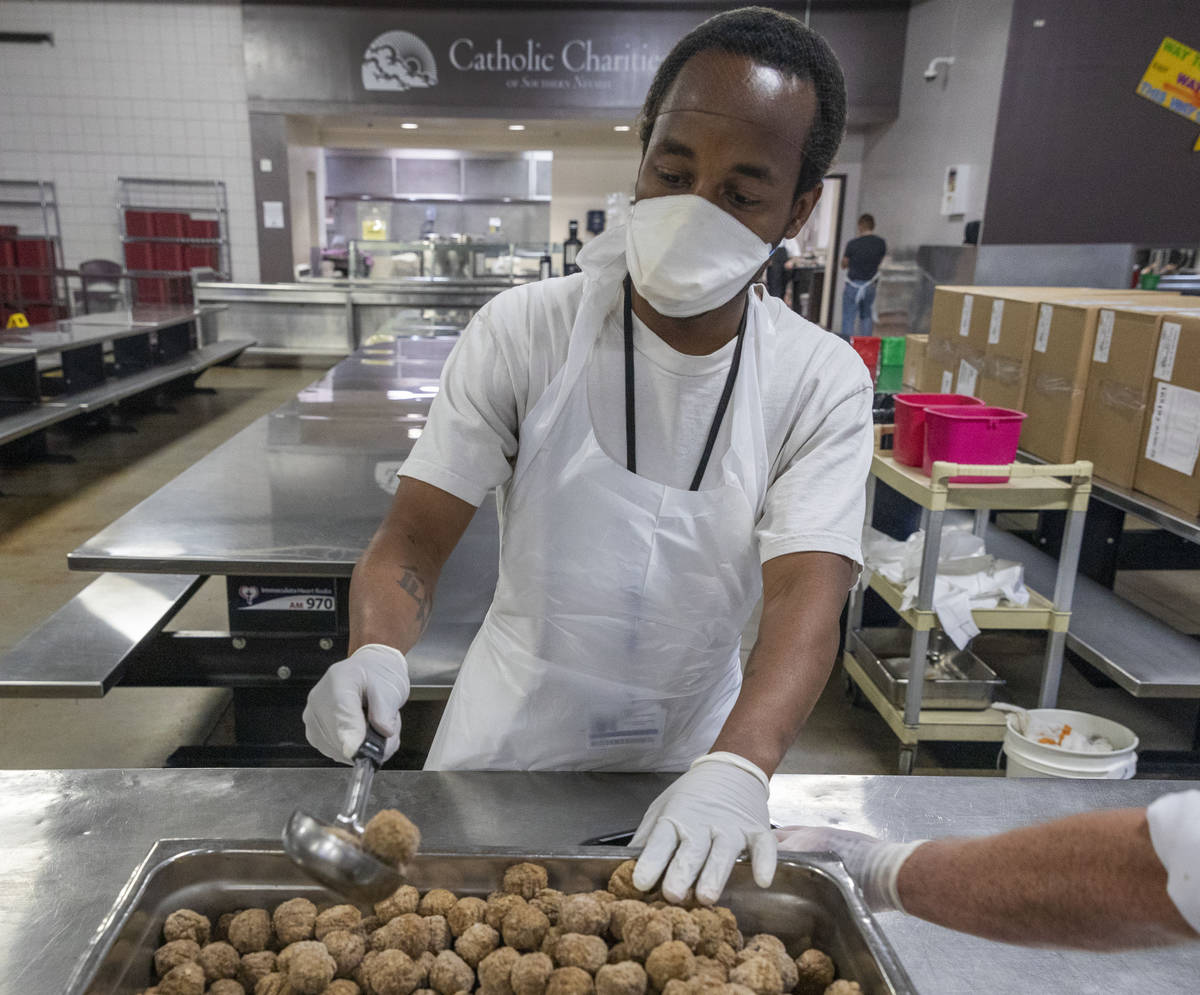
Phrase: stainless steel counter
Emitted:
{"points": [[301, 491], [72, 838]]}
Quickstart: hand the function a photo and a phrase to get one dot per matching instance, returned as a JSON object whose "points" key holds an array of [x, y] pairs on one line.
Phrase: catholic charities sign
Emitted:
{"points": [[400, 61]]}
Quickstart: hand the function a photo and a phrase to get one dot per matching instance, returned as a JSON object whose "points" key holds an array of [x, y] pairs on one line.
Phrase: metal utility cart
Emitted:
{"points": [[36, 285], [1030, 488]]}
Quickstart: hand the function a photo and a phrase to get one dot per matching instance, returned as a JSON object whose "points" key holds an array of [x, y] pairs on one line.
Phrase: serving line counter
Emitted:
{"points": [[73, 839], [281, 511], [328, 317]]}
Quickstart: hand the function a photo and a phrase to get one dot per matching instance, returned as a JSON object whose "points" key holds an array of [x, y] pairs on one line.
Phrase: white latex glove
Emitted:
{"points": [[701, 824], [374, 676], [874, 864]]}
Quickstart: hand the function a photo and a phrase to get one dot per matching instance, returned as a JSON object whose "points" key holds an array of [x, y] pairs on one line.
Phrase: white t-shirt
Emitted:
{"points": [[1175, 833], [816, 411]]}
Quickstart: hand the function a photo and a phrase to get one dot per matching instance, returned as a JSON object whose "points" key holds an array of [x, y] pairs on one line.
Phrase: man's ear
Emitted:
{"points": [[802, 209]]}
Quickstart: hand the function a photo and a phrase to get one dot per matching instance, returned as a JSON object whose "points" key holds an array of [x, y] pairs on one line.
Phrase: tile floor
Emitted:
{"points": [[47, 509]]}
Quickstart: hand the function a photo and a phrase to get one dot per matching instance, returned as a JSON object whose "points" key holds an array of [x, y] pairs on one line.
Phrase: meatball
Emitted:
{"points": [[250, 931], [273, 984], [187, 925], [346, 948], [391, 837], [530, 974], [408, 932], [226, 986], [450, 974], [759, 974], [549, 900], [425, 965], [645, 931], [219, 961], [500, 904], [683, 927], [569, 981], [525, 880], [619, 953], [583, 914], [815, 972], [254, 966], [620, 882], [391, 972], [465, 914], [342, 986], [221, 931], [580, 950], [844, 987], [602, 896], [677, 987], [626, 978], [726, 955], [183, 979], [672, 959], [173, 953], [525, 927], [712, 931], [495, 971], [552, 936], [476, 943], [404, 899], [732, 989], [710, 970], [771, 947], [339, 917], [311, 968], [621, 910], [293, 921], [437, 902], [440, 937], [729, 924], [370, 923]]}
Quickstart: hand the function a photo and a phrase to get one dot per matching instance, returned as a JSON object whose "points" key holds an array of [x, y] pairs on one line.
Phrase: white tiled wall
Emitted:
{"points": [[128, 89]]}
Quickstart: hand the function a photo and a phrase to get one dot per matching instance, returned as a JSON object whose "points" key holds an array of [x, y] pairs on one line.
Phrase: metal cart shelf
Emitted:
{"points": [[1063, 487], [194, 197]]}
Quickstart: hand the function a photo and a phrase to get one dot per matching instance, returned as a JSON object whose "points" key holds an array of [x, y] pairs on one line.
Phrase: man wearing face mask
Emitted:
{"points": [[667, 444]]}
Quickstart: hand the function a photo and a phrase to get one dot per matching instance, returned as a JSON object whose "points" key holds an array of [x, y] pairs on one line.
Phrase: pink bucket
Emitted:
{"points": [[981, 435], [908, 443]]}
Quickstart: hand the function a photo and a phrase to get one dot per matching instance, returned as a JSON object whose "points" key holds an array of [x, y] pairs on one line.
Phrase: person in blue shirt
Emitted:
{"points": [[861, 261]]}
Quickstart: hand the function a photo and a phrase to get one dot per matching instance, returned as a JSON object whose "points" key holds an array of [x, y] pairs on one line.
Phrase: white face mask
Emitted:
{"points": [[687, 256]]}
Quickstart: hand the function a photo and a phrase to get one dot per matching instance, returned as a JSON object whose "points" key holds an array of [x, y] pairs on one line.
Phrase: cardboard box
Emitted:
{"points": [[914, 359], [1170, 445], [1119, 385], [1063, 342]]}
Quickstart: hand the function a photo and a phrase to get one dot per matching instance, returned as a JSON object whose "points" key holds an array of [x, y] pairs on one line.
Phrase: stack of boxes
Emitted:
{"points": [[175, 243], [1104, 375]]}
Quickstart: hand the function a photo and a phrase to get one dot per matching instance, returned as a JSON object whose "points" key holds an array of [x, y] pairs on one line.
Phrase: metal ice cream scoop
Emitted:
{"points": [[333, 854]]}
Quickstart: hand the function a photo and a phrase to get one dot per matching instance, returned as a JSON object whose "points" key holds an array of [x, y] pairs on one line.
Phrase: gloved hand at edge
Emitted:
{"points": [[874, 864], [696, 830], [372, 683]]}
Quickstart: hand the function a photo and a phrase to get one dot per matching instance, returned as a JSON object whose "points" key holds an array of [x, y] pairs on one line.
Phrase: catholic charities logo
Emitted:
{"points": [[398, 61]]}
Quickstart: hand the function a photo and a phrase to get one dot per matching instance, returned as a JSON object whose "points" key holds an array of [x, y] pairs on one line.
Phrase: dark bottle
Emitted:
{"points": [[545, 265], [571, 248]]}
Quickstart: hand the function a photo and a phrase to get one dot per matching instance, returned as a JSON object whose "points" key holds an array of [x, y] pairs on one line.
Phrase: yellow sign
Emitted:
{"points": [[17, 320], [374, 230], [1173, 79]]}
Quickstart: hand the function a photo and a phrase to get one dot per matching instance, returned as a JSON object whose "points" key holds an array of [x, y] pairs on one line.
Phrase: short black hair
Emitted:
{"points": [[867, 221], [781, 42]]}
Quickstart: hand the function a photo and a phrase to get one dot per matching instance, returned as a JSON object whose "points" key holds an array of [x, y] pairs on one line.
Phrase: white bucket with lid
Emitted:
{"points": [[1029, 758]]}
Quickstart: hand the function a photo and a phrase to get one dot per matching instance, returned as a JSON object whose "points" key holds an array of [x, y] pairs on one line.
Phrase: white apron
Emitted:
{"points": [[613, 639]]}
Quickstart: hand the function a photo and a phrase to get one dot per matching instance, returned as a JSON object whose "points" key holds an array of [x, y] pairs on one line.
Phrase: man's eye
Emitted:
{"points": [[671, 178], [742, 201]]}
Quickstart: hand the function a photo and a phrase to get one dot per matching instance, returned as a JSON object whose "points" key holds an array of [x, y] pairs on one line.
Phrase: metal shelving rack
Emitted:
{"points": [[1065, 488], [195, 197], [21, 201]]}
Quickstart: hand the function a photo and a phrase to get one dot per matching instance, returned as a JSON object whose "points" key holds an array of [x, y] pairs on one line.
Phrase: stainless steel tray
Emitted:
{"points": [[954, 678], [812, 900]]}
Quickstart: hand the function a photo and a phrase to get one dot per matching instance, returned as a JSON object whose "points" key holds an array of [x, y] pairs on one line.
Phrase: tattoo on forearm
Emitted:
{"points": [[411, 584]]}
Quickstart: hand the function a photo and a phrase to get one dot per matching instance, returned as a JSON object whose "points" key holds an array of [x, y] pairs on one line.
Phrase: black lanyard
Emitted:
{"points": [[722, 404]]}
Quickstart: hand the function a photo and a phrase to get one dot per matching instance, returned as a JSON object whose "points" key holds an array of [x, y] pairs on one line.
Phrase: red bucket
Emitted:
{"points": [[908, 443], [867, 347], [982, 435]]}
